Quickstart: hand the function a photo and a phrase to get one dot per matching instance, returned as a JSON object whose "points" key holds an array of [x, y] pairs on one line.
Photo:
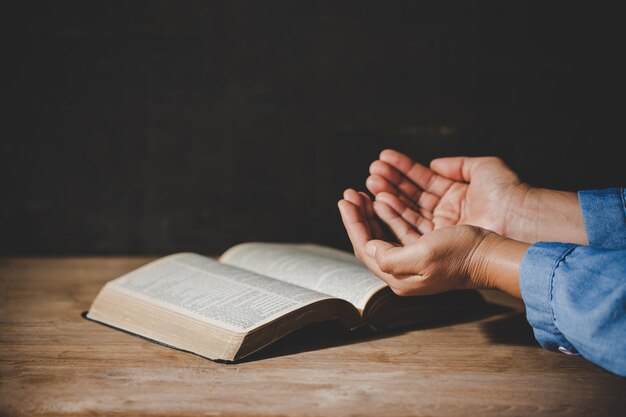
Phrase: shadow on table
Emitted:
{"points": [[329, 334], [511, 329]]}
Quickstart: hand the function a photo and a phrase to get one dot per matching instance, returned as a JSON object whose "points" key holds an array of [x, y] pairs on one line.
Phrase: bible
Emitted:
{"points": [[255, 294]]}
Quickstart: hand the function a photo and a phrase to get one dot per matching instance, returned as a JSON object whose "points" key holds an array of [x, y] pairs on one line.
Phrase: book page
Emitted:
{"points": [[327, 252], [220, 294], [315, 267]]}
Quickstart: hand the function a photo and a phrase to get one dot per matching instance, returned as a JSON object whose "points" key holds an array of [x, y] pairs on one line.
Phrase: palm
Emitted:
{"points": [[474, 191]]}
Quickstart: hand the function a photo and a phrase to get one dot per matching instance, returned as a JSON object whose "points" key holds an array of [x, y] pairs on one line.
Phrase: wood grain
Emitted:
{"points": [[53, 362]]}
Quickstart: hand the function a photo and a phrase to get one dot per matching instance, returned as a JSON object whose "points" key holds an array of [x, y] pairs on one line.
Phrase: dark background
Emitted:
{"points": [[148, 127]]}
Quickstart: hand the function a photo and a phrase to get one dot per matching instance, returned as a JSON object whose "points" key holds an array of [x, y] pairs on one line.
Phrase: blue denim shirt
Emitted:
{"points": [[575, 295]]}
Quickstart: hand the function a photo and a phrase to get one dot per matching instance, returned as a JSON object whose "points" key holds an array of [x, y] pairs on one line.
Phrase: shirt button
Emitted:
{"points": [[567, 352]]}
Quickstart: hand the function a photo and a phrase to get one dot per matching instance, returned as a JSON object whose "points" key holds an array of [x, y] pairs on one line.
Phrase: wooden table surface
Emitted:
{"points": [[54, 362]]}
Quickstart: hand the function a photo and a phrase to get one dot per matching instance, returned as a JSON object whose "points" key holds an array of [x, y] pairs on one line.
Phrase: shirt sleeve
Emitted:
{"points": [[604, 214], [575, 300]]}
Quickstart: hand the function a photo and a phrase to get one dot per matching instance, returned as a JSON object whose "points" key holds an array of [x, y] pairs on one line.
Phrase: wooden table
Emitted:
{"points": [[54, 362]]}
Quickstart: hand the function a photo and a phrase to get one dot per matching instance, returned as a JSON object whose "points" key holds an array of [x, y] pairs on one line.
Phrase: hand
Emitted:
{"points": [[448, 258], [362, 225], [482, 192]]}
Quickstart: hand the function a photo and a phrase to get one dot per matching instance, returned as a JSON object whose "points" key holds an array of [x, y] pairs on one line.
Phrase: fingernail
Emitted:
{"points": [[370, 249]]}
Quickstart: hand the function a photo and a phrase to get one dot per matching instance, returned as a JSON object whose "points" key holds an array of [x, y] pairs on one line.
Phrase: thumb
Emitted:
{"points": [[373, 247], [391, 259], [458, 168]]}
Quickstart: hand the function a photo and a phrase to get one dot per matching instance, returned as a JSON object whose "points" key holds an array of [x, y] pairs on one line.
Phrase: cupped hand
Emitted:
{"points": [[482, 192], [445, 259], [448, 258]]}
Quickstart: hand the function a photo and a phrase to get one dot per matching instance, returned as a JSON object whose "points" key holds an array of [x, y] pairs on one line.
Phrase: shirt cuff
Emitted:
{"points": [[536, 275], [604, 214]]}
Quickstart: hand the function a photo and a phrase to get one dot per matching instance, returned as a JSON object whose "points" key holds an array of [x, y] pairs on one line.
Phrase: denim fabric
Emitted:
{"points": [[604, 213], [575, 295]]}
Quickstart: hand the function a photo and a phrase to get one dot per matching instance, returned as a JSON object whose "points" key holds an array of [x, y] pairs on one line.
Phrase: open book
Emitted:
{"points": [[255, 294]]}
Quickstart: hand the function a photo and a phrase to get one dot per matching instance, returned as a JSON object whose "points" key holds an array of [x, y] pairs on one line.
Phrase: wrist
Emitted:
{"points": [[540, 214], [495, 264], [523, 213]]}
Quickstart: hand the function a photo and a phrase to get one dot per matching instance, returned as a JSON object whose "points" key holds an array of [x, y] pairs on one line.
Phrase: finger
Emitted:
{"points": [[412, 285], [355, 198], [404, 231], [375, 227], [393, 260], [422, 198], [422, 176], [359, 237], [456, 168], [395, 177], [372, 265], [374, 182], [358, 233], [352, 196], [404, 280], [415, 219], [377, 184], [462, 168]]}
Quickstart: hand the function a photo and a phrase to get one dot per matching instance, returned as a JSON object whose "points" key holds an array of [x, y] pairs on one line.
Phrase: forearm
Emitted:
{"points": [[540, 214]]}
